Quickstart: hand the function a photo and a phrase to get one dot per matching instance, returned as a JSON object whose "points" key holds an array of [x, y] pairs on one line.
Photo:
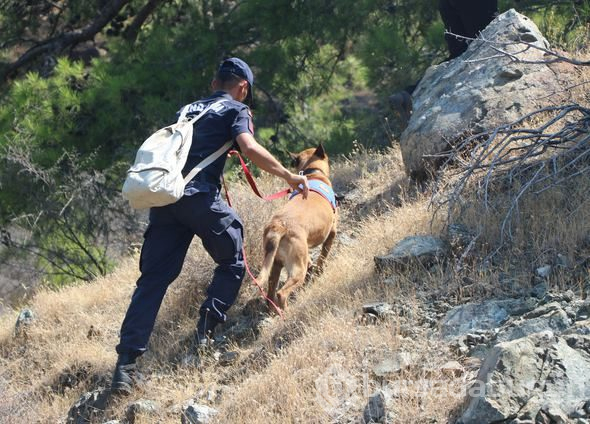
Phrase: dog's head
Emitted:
{"points": [[310, 159]]}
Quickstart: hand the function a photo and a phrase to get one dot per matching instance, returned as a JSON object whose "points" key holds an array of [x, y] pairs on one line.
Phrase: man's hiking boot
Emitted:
{"points": [[401, 103], [126, 375], [204, 334]]}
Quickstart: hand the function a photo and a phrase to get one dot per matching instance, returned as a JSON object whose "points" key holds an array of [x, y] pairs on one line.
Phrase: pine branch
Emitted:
{"points": [[67, 39]]}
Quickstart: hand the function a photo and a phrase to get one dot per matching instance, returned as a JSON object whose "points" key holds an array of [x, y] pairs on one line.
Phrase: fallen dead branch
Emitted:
{"points": [[516, 159]]}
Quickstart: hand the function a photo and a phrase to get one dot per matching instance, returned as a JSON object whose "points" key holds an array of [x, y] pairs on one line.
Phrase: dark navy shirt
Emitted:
{"points": [[212, 131]]}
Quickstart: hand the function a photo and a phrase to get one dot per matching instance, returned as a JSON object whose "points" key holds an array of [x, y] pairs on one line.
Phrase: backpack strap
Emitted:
{"points": [[207, 161]]}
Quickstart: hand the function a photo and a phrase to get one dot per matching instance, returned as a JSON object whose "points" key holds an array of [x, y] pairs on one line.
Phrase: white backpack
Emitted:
{"points": [[155, 179]]}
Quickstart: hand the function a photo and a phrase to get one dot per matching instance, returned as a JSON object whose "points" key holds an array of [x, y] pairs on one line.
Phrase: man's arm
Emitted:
{"points": [[267, 162]]}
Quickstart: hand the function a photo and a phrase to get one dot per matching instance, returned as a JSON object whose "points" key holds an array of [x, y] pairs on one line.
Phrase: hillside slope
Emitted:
{"points": [[69, 346], [356, 344]]}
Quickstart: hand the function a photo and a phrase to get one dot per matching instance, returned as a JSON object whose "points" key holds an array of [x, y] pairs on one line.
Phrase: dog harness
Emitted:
{"points": [[321, 188]]}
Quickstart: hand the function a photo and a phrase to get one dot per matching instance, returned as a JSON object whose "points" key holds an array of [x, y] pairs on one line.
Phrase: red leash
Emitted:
{"points": [[252, 183], [277, 195]]}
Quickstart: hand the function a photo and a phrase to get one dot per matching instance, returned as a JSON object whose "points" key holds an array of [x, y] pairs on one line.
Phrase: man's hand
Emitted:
{"points": [[264, 160], [299, 183]]}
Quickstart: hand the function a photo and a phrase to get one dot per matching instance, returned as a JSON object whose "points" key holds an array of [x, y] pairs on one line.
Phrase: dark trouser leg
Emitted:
{"points": [[162, 256], [476, 15], [453, 23], [226, 250], [467, 18]]}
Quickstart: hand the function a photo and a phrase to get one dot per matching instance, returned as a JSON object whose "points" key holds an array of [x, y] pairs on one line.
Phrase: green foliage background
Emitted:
{"points": [[323, 72]]}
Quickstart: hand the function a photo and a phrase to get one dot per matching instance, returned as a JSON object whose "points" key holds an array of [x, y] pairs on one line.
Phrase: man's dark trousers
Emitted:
{"points": [[467, 18], [167, 240]]}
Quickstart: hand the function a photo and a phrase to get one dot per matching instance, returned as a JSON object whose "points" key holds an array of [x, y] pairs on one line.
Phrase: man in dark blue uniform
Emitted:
{"points": [[199, 212]]}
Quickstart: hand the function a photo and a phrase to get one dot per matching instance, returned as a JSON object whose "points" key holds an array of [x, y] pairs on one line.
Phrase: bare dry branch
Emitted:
{"points": [[521, 158], [500, 48]]}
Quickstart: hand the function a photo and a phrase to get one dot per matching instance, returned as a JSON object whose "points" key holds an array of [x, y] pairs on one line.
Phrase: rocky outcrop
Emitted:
{"points": [[539, 378], [481, 90], [473, 317]]}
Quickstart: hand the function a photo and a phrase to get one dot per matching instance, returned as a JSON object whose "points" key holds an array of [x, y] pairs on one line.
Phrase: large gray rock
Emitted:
{"points": [[481, 90], [472, 317], [413, 249], [539, 378]]}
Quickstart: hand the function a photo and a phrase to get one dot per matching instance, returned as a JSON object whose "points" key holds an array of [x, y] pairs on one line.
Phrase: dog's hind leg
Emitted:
{"points": [[296, 269], [272, 239], [273, 280], [295, 280]]}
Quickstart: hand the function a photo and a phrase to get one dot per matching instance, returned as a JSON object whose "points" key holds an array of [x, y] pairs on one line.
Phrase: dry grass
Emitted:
{"points": [[314, 366]]}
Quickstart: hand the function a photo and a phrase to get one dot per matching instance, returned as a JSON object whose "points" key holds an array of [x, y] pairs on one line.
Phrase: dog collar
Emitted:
{"points": [[312, 171], [321, 188]]}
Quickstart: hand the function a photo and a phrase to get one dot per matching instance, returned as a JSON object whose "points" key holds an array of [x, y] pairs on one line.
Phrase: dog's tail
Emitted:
{"points": [[272, 238]]}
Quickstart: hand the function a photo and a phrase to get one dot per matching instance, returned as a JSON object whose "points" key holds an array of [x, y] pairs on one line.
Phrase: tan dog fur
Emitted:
{"points": [[300, 225]]}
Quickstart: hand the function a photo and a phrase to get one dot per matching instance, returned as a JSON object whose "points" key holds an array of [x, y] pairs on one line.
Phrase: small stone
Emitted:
{"points": [[544, 271], [563, 261], [475, 339], [26, 317], [197, 414], [228, 358], [375, 409], [583, 312], [379, 309], [540, 290], [452, 369], [394, 364], [88, 407], [140, 407]]}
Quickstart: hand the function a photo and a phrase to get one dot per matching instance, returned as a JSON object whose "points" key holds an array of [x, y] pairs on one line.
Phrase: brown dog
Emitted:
{"points": [[300, 225]]}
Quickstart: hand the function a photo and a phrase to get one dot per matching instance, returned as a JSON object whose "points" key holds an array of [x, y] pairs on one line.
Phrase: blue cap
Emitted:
{"points": [[238, 67]]}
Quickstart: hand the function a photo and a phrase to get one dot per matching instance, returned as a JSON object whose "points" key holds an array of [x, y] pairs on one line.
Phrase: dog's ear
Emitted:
{"points": [[294, 159], [320, 152]]}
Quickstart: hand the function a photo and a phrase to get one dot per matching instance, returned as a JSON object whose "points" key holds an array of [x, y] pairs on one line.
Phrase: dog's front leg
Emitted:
{"points": [[319, 267]]}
